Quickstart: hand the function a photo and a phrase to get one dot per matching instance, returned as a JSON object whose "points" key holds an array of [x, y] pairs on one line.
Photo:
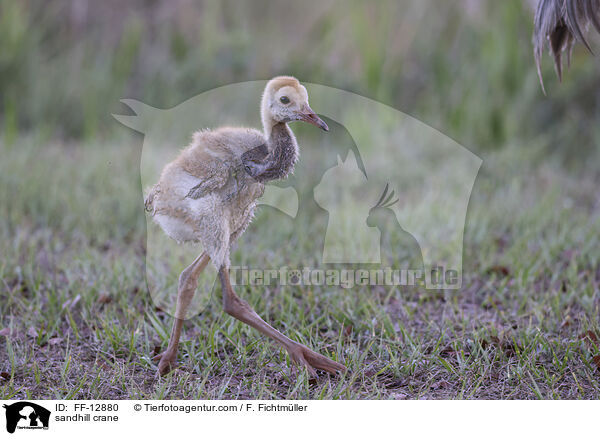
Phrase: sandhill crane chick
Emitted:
{"points": [[208, 195]]}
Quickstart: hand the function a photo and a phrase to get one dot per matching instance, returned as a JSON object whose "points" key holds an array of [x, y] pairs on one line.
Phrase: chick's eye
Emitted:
{"points": [[284, 100]]}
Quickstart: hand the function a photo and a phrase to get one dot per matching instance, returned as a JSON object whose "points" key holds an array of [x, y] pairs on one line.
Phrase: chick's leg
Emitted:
{"points": [[300, 354], [188, 282]]}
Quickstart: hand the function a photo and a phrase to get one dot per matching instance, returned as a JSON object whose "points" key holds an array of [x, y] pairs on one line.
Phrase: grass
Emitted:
{"points": [[76, 320]]}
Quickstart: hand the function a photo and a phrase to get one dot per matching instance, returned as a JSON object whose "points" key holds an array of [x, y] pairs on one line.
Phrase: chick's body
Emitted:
{"points": [[205, 195], [208, 195]]}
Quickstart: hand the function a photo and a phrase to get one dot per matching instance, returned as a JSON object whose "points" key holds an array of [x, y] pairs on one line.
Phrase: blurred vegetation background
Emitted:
{"points": [[464, 67]]}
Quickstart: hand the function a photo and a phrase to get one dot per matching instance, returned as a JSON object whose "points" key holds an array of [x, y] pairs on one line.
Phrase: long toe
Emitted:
{"points": [[166, 363], [311, 360], [323, 363]]}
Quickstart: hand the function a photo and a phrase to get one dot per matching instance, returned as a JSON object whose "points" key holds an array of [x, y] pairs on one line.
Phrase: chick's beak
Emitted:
{"points": [[309, 116]]}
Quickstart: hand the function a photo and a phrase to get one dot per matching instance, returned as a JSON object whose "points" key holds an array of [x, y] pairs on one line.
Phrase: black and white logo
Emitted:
{"points": [[26, 415]]}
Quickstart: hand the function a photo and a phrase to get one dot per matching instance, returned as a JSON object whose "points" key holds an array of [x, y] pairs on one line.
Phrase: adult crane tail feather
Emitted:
{"points": [[561, 23]]}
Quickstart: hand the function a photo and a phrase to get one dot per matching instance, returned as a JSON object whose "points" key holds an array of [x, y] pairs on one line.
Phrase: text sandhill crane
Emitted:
{"points": [[560, 22], [208, 195]]}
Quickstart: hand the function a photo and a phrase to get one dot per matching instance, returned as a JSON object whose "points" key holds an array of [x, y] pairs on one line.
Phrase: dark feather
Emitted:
{"points": [[560, 23], [592, 11], [573, 12]]}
